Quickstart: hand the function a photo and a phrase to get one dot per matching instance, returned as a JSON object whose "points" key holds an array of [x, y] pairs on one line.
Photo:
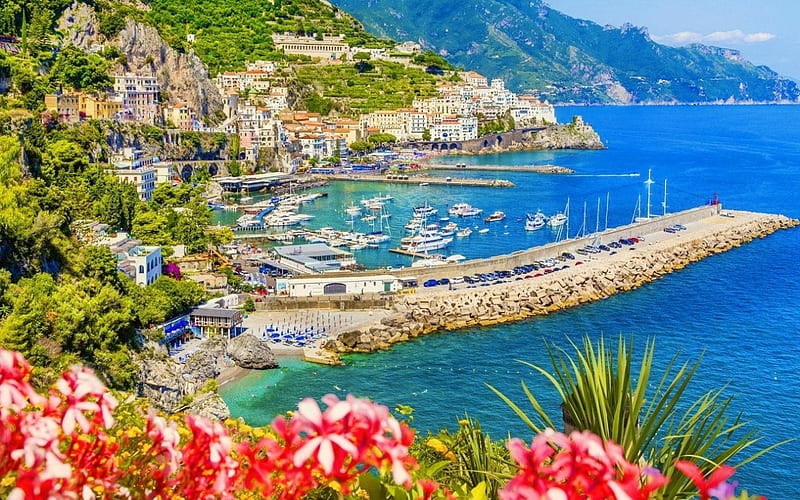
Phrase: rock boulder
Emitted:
{"points": [[247, 351]]}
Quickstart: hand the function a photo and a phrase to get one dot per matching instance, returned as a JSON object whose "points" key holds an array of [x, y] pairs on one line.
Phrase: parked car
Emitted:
{"points": [[430, 283]]}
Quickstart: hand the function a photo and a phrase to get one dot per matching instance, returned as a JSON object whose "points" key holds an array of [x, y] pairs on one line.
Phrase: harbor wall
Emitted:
{"points": [[415, 315], [522, 257]]}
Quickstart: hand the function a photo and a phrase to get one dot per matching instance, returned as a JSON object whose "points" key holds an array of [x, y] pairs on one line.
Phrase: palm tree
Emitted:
{"points": [[652, 420]]}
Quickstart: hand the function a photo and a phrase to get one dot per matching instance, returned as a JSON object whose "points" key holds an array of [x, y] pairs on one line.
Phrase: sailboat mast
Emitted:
{"points": [[597, 218], [649, 183]]}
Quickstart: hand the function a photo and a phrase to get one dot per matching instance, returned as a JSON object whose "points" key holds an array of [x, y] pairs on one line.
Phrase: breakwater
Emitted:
{"points": [[421, 179], [424, 313], [539, 169]]}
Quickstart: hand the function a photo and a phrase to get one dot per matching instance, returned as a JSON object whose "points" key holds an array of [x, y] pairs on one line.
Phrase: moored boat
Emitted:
{"points": [[495, 216], [535, 221]]}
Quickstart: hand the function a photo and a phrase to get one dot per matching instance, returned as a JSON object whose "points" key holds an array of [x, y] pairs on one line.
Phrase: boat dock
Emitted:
{"points": [[421, 180], [539, 169], [409, 253]]}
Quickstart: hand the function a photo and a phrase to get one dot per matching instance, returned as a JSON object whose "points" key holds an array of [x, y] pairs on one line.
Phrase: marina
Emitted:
{"points": [[716, 296]]}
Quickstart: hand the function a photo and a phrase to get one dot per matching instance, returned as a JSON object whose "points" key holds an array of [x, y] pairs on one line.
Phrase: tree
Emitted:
{"points": [[77, 69], [249, 306], [381, 139], [62, 161], [360, 146], [426, 134], [10, 169]]}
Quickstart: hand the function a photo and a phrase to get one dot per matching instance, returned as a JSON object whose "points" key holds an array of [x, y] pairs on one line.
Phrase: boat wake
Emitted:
{"points": [[634, 174]]}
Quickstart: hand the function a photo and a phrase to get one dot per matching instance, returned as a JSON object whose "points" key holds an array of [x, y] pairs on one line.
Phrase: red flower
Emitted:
{"points": [[693, 472]]}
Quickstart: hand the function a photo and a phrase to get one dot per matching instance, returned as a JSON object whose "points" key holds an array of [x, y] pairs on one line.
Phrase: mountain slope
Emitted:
{"points": [[565, 59]]}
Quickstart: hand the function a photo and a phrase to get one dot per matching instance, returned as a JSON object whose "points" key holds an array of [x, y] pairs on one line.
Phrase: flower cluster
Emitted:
{"points": [[580, 466], [336, 445], [62, 445], [66, 445]]}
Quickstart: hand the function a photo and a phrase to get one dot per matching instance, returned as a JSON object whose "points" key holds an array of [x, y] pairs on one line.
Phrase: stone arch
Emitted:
{"points": [[186, 172], [453, 146], [499, 139], [213, 169], [443, 147], [434, 147], [486, 143]]}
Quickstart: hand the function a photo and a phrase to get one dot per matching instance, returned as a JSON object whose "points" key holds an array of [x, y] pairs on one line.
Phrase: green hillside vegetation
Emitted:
{"points": [[229, 33], [533, 46], [61, 301], [367, 86]]}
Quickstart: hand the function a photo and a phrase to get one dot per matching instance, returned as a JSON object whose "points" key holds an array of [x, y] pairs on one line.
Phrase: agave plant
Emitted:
{"points": [[653, 420]]}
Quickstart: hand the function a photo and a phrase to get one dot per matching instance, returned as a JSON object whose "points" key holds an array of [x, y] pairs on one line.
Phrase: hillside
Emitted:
{"points": [[565, 59]]}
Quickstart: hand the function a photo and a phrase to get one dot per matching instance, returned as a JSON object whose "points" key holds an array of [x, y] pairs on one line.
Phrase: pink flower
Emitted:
{"points": [[579, 467], [330, 448], [84, 393], [704, 486], [15, 391]]}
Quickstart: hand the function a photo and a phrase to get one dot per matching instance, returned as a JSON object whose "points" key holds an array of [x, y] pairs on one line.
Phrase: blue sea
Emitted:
{"points": [[737, 310]]}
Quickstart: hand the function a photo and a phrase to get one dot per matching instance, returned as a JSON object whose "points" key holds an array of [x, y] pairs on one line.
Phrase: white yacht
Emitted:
{"points": [[535, 221]]}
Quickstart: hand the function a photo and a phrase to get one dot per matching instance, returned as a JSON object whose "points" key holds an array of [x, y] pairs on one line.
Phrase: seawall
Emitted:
{"points": [[603, 275]]}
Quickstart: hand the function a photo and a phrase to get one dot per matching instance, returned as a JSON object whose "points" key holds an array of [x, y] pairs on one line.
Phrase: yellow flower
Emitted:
{"points": [[439, 446]]}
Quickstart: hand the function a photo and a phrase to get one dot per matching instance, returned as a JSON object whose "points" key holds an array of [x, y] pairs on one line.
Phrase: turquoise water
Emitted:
{"points": [[738, 309]]}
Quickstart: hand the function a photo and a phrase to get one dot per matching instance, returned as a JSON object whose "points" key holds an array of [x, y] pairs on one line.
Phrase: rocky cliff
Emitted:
{"points": [[171, 386], [182, 77]]}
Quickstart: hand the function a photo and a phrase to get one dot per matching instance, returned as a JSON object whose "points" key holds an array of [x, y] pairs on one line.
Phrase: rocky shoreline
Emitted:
{"points": [[416, 315]]}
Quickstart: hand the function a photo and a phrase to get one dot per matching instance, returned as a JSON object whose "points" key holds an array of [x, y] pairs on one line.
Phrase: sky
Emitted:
{"points": [[766, 32]]}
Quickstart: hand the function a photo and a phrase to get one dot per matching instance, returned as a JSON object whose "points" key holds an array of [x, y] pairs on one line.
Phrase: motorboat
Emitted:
{"points": [[464, 232], [495, 216], [535, 221], [425, 211], [464, 210]]}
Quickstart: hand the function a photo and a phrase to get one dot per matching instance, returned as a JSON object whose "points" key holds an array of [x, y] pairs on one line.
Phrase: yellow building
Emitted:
{"points": [[79, 106]]}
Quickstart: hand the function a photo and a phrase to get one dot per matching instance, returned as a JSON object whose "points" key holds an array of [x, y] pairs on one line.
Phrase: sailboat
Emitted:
{"points": [[380, 236]]}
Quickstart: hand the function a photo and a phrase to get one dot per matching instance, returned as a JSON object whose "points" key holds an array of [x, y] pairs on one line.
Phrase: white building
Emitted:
{"points": [[141, 263], [147, 262], [140, 96], [317, 286], [144, 178]]}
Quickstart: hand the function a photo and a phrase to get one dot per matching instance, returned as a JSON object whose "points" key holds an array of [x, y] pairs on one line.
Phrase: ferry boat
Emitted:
{"points": [[535, 221], [464, 210], [495, 216]]}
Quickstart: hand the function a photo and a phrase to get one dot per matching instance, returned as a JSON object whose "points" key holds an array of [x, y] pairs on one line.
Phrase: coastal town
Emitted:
{"points": [[346, 249], [282, 266]]}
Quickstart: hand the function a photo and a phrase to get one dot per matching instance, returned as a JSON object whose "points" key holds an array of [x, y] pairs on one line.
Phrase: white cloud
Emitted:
{"points": [[733, 36]]}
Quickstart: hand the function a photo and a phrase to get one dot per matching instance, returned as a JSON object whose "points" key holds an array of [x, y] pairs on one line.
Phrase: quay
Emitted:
{"points": [[422, 180], [409, 253], [539, 169]]}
